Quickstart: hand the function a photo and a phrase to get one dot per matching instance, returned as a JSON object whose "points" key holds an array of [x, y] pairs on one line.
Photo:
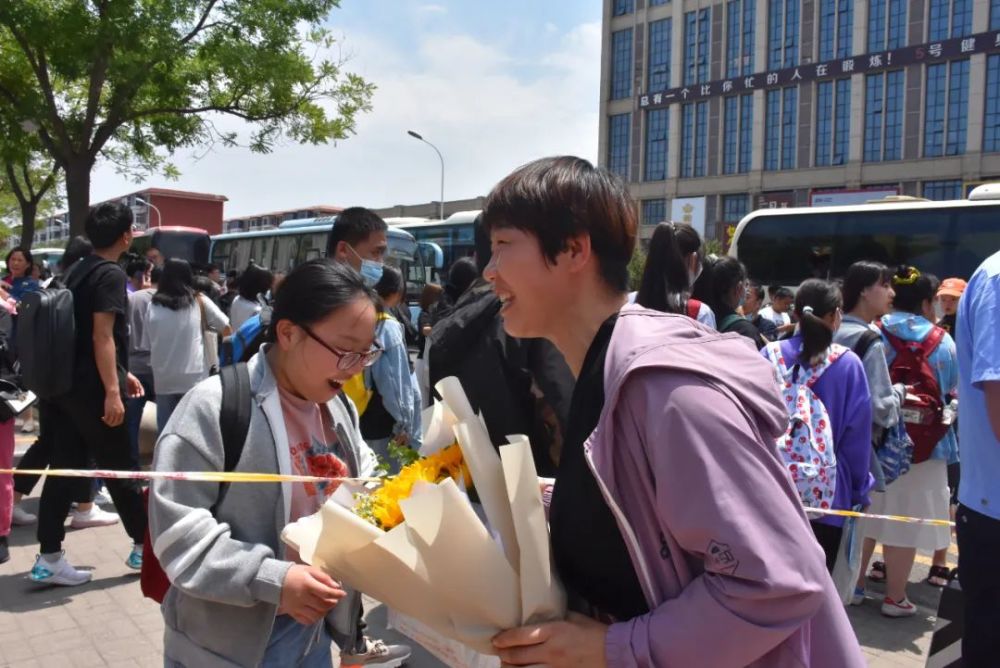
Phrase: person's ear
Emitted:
{"points": [[578, 252]]}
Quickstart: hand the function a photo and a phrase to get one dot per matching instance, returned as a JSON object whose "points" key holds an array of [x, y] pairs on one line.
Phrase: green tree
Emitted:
{"points": [[29, 180], [134, 80]]}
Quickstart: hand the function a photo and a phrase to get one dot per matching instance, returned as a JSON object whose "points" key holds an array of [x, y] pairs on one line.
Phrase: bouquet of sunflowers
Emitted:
{"points": [[416, 543]]}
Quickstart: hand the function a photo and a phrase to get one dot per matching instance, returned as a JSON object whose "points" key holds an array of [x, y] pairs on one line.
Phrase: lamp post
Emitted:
{"points": [[417, 136], [150, 205]]}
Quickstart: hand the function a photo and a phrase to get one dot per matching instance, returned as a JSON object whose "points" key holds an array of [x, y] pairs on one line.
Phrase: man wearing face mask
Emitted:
{"points": [[358, 239]]}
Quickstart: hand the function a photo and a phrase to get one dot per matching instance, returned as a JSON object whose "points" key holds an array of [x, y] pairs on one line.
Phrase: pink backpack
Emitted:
{"points": [[806, 447]]}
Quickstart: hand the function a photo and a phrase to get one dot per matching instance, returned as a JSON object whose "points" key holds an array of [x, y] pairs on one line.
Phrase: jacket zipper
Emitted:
{"points": [[629, 533]]}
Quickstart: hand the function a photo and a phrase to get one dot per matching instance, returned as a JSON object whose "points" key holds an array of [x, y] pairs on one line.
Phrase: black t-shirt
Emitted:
{"points": [[102, 290], [740, 325], [590, 553]]}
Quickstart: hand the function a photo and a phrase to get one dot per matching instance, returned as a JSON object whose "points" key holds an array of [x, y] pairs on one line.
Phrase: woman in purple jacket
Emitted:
{"points": [[843, 390], [675, 528]]}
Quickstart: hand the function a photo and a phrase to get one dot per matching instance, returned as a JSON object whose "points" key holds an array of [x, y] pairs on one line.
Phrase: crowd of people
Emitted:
{"points": [[701, 428]]}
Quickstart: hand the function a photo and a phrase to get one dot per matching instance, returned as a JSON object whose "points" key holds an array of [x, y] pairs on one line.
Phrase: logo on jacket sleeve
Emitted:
{"points": [[719, 558]]}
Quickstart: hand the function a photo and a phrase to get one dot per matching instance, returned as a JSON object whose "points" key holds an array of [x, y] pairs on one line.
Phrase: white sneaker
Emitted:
{"points": [[20, 517], [858, 597], [58, 573], [28, 427], [102, 498], [902, 608], [95, 517]]}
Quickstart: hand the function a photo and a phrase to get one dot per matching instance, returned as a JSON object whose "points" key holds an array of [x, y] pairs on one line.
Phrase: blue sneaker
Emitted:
{"points": [[859, 596], [134, 560], [57, 573]]}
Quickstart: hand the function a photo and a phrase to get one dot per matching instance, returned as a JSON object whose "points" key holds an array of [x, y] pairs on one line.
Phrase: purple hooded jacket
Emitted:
{"points": [[684, 453]]}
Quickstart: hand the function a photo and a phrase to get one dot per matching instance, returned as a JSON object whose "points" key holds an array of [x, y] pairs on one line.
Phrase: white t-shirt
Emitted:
{"points": [[242, 310], [779, 319], [176, 346]]}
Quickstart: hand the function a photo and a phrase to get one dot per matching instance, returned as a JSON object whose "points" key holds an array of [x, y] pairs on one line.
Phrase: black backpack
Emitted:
{"points": [[46, 335]]}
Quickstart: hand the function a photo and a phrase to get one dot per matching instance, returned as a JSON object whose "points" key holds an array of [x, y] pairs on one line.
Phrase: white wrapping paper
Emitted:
{"points": [[442, 566]]}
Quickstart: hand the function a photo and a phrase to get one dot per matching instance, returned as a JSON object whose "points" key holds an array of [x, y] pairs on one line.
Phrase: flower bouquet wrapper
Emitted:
{"points": [[442, 566]]}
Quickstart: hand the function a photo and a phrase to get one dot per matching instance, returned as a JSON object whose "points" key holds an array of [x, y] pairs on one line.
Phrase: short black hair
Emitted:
{"points": [[255, 281], [175, 290], [106, 223], [315, 289], [559, 198], [353, 225], [391, 282], [78, 247], [27, 257], [782, 292], [137, 266]]}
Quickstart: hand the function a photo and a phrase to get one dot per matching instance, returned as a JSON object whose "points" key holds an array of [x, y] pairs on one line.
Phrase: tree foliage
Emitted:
{"points": [[135, 80]]}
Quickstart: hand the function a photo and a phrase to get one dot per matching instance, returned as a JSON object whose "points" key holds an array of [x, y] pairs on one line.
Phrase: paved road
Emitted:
{"points": [[108, 623]]}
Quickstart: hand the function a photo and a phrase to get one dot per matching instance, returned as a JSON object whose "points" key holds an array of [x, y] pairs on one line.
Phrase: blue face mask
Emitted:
{"points": [[371, 271]]}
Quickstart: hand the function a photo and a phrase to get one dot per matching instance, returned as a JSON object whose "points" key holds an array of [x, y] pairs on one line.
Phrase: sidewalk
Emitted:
{"points": [[108, 623]]}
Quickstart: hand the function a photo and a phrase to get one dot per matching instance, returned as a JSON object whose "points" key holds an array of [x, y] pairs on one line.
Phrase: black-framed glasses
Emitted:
{"points": [[347, 359]]}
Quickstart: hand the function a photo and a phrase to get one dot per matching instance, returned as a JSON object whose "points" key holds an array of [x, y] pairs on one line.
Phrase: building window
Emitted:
{"points": [[740, 19], [949, 18], [621, 64], [886, 25], [991, 122], [735, 207], [657, 131], [947, 99], [696, 46], [883, 117], [737, 133], [654, 3], [836, 24], [618, 142], [833, 119], [994, 14], [659, 54], [942, 190], [694, 139], [623, 7], [783, 33], [654, 211], [780, 133]]}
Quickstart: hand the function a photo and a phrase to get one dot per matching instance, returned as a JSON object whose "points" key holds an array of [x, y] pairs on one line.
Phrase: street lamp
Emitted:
{"points": [[417, 136], [150, 205]]}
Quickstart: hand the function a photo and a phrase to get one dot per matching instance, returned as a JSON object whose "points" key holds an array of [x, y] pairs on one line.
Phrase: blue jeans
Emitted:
{"points": [[165, 405], [133, 413], [291, 644]]}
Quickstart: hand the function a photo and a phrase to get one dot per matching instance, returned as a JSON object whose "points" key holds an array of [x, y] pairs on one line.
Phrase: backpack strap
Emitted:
{"points": [[814, 373], [693, 308], [865, 343], [349, 408], [932, 341], [234, 419]]}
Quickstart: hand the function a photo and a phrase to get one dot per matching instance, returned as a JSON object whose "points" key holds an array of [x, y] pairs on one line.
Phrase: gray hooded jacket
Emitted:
{"points": [[227, 570]]}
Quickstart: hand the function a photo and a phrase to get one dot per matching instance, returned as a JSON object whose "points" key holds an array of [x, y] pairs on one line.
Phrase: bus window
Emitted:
{"points": [[780, 250], [260, 251], [285, 252], [311, 246], [220, 255]]}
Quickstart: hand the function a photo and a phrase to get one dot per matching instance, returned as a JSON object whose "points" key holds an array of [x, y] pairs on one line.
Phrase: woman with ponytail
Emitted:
{"points": [[839, 382], [673, 264]]}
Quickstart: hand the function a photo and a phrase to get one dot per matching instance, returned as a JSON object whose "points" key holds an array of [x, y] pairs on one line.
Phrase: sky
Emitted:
{"points": [[492, 84]]}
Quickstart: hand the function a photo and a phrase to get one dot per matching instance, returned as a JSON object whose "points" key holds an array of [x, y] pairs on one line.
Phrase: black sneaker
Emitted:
{"points": [[4, 552]]}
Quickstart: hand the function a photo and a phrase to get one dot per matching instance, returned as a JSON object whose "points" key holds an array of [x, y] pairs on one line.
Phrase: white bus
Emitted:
{"points": [[455, 236], [947, 239]]}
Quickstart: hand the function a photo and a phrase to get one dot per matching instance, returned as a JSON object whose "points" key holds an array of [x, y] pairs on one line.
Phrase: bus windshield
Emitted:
{"points": [[787, 247]]}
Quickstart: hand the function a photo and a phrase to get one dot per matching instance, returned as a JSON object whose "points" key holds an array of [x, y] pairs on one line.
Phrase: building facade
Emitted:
{"points": [[270, 221], [711, 108], [152, 207]]}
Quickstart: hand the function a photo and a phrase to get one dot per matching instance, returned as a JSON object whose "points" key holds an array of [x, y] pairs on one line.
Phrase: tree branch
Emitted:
{"points": [[40, 67], [14, 185], [201, 23]]}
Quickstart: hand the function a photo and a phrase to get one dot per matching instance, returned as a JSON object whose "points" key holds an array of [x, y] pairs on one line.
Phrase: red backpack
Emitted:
{"points": [[922, 411]]}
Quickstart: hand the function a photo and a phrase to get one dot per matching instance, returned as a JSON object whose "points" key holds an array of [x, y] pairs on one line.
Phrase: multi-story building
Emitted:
{"points": [[270, 221], [710, 108], [152, 207]]}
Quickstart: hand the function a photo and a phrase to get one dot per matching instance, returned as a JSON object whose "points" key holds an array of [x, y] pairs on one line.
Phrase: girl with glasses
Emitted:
{"points": [[223, 553]]}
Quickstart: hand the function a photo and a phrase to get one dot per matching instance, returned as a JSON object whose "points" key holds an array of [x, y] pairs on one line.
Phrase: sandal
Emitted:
{"points": [[877, 573], [938, 576]]}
